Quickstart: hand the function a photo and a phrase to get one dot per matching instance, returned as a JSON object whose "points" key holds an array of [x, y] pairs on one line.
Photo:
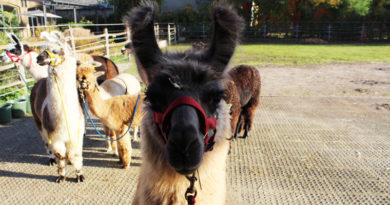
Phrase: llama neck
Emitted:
{"points": [[95, 102], [62, 87]]}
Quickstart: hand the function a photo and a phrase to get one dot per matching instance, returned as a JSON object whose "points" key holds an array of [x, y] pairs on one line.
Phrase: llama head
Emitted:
{"points": [[15, 52], [56, 49], [185, 87], [127, 49], [87, 75]]}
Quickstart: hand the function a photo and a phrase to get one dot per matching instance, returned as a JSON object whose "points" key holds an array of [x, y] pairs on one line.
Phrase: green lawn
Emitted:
{"points": [[294, 54]]}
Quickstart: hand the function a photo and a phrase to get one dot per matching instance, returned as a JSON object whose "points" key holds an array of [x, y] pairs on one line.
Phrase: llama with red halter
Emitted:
{"points": [[186, 126], [25, 57]]}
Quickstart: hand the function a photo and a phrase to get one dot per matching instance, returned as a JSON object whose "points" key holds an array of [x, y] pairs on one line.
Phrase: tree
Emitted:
{"points": [[122, 7], [10, 18]]}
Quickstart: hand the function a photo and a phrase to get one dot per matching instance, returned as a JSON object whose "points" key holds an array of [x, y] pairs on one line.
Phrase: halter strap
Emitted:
{"points": [[14, 58], [54, 59], [207, 122]]}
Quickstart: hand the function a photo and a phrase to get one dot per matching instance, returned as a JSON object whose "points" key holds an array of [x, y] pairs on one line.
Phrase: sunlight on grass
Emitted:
{"points": [[292, 54]]}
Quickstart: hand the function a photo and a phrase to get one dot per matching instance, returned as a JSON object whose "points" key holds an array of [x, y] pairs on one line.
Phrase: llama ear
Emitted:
{"points": [[228, 26], [98, 74], [16, 40], [146, 50], [58, 36], [48, 37]]}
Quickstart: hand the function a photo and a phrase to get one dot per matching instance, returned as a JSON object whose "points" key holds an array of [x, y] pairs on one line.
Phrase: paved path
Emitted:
{"points": [[302, 150]]}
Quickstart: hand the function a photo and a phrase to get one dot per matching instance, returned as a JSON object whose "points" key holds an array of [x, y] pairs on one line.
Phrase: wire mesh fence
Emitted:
{"points": [[305, 32]]}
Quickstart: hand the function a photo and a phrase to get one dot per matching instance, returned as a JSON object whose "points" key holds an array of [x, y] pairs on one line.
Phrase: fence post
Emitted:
{"points": [[362, 33], [72, 39], [169, 34], [128, 35], [174, 33], [265, 31], [203, 32], [107, 43], [296, 31], [329, 31]]}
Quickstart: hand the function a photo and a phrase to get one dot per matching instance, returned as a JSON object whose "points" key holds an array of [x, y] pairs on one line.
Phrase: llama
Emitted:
{"points": [[122, 84], [56, 108], [186, 125], [115, 113], [243, 93], [26, 57]]}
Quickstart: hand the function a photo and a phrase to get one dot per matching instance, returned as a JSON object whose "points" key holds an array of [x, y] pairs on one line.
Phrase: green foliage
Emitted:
{"points": [[360, 7], [10, 18]]}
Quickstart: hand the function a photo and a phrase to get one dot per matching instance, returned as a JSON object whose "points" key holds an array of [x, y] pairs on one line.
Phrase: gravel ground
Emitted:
{"points": [[321, 136]]}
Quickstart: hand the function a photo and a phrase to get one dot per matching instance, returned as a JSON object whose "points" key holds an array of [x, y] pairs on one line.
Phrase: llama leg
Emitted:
{"points": [[59, 149], [76, 158], [124, 148], [135, 133], [52, 157], [248, 114], [236, 130], [114, 143], [108, 135]]}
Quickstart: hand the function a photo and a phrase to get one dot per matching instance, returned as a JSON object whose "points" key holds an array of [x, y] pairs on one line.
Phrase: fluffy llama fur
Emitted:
{"points": [[49, 113], [122, 84], [243, 93], [115, 112]]}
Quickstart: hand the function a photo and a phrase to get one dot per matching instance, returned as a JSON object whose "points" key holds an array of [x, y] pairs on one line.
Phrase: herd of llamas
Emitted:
{"points": [[192, 108]]}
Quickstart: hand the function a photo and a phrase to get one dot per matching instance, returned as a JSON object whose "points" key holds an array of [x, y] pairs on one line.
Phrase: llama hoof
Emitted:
{"points": [[80, 178], [60, 179], [52, 161], [126, 166]]}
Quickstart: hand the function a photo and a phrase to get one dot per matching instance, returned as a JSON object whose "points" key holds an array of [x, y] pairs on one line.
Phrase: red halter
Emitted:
{"points": [[207, 122], [14, 58]]}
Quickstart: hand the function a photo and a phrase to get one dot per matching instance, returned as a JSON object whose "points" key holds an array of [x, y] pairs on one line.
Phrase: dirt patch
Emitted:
{"points": [[384, 106], [360, 79]]}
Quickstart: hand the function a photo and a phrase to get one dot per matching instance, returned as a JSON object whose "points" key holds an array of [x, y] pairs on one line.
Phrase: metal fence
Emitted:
{"points": [[305, 32]]}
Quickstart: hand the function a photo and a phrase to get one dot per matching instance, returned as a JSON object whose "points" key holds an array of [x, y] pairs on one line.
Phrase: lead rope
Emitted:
{"points": [[191, 192], [94, 126]]}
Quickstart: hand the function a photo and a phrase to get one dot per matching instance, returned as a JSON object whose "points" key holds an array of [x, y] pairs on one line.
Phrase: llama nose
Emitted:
{"points": [[185, 142]]}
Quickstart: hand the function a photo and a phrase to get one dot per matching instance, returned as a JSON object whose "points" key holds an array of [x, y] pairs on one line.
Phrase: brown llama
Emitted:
{"points": [[186, 126], [243, 93], [115, 113]]}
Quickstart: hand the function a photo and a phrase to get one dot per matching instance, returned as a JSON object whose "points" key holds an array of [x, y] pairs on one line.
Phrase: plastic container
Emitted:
{"points": [[28, 104], [5, 113], [19, 108]]}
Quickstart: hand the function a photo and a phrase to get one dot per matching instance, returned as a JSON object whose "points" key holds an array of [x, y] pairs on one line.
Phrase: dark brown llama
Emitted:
{"points": [[186, 125], [108, 67], [243, 93]]}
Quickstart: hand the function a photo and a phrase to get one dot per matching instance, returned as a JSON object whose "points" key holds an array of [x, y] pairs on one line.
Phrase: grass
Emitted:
{"points": [[294, 54]]}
